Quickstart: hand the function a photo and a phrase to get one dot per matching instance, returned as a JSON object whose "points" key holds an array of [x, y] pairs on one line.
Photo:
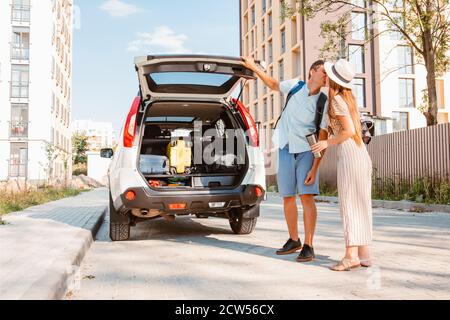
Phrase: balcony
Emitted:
{"points": [[20, 52], [18, 129], [21, 13]]}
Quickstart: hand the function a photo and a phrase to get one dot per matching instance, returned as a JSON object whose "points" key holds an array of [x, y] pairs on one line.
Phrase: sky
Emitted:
{"points": [[108, 34]]}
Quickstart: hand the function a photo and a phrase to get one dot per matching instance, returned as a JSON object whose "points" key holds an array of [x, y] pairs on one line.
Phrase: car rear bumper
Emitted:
{"points": [[245, 196]]}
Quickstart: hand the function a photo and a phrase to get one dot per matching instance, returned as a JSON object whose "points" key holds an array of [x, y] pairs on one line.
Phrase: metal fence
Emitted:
{"points": [[404, 155]]}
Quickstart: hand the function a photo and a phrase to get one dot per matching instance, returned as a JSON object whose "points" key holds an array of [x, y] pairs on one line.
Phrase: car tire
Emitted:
{"points": [[241, 225], [119, 225]]}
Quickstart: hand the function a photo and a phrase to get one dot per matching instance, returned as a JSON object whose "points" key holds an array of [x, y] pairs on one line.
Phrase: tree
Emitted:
{"points": [[79, 148], [423, 24], [51, 154]]}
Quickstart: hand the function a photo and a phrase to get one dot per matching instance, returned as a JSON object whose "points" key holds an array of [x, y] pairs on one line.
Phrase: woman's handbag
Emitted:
{"points": [[366, 130]]}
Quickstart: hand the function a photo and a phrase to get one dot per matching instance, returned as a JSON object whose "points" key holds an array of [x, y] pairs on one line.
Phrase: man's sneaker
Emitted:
{"points": [[290, 246], [307, 254]]}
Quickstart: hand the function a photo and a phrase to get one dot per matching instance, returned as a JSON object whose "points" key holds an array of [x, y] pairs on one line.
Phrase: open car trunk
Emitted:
{"points": [[189, 145]]}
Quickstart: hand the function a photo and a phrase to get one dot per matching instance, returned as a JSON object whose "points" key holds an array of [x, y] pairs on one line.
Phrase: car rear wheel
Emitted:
{"points": [[241, 225], [119, 225]]}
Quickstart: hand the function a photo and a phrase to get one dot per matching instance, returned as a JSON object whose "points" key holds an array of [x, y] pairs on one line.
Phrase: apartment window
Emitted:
{"points": [[359, 24], [19, 120], [266, 111], [263, 3], [253, 15], [252, 39], [263, 26], [400, 121], [269, 18], [356, 57], [405, 60], [246, 43], [21, 10], [281, 101], [263, 52], [19, 81], [20, 45], [359, 90], [406, 93], [272, 108], [18, 160], [395, 4], [359, 3], [399, 19], [281, 70], [57, 107], [53, 102], [256, 112], [283, 41], [270, 55], [255, 89]]}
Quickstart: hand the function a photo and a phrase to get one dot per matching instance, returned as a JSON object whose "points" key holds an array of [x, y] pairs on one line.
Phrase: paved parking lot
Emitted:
{"points": [[202, 259]]}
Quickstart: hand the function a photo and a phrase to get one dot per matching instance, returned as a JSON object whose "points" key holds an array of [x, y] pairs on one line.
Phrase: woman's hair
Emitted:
{"points": [[349, 98]]}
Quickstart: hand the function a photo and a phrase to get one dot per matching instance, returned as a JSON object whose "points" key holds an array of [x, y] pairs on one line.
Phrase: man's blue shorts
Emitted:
{"points": [[292, 171]]}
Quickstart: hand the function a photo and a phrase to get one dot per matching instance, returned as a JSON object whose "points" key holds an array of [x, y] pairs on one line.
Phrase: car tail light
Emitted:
{"points": [[177, 206], [258, 191], [130, 195], [249, 123], [130, 125]]}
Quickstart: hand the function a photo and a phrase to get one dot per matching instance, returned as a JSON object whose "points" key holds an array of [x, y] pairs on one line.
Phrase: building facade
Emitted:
{"points": [[35, 89], [388, 84], [100, 134]]}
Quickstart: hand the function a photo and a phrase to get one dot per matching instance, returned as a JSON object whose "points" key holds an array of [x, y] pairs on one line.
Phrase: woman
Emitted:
{"points": [[354, 167]]}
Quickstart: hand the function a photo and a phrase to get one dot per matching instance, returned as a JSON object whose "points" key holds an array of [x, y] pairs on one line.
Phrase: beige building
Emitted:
{"points": [[388, 84]]}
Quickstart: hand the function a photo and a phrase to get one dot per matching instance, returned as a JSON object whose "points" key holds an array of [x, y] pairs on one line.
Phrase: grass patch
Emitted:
{"points": [[422, 190], [19, 201], [327, 191]]}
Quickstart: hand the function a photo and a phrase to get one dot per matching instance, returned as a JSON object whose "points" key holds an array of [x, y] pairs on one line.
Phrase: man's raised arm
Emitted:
{"points": [[268, 80]]}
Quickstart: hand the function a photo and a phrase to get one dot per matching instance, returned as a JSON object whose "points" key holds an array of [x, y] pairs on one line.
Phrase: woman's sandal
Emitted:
{"points": [[366, 263], [345, 265]]}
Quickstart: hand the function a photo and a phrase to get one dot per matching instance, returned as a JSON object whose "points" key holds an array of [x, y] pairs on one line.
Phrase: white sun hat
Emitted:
{"points": [[340, 72]]}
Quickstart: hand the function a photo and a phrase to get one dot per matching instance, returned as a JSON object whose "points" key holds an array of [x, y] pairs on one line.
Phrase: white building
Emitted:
{"points": [[35, 88], [100, 134]]}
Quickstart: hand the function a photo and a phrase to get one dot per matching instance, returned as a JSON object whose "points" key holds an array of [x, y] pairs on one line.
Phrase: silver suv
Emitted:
{"points": [[187, 147]]}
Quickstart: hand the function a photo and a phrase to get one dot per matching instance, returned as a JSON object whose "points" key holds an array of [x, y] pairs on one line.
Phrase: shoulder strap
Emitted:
{"points": [[291, 93], [319, 111]]}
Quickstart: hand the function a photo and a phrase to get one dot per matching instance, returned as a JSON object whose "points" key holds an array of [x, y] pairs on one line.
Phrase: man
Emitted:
{"points": [[297, 167]]}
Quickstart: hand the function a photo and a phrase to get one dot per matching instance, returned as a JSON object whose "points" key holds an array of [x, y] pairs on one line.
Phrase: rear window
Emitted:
{"points": [[193, 78], [170, 119], [191, 82]]}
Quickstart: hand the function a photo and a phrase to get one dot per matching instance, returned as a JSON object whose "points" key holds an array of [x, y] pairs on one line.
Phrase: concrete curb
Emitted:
{"points": [[55, 286], [398, 205]]}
